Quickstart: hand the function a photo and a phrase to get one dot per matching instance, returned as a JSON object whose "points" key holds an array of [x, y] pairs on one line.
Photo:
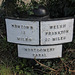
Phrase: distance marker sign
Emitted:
{"points": [[23, 32], [39, 36], [56, 32], [39, 32]]}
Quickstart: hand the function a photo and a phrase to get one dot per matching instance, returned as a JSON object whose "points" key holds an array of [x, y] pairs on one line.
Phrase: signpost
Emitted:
{"points": [[38, 36]]}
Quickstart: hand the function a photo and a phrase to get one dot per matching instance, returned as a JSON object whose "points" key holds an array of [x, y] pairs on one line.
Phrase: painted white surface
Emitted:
{"points": [[40, 52], [56, 32], [23, 32]]}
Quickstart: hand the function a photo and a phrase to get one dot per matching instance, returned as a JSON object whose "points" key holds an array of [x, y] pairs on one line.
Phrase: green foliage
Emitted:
{"points": [[57, 8], [5, 70]]}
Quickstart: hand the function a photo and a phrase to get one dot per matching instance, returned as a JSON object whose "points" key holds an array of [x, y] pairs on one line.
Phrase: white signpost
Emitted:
{"points": [[22, 32], [56, 32], [40, 52], [37, 36]]}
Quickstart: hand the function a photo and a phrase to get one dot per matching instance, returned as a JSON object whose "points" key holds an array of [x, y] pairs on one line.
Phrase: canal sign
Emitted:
{"points": [[39, 32], [40, 52], [39, 38]]}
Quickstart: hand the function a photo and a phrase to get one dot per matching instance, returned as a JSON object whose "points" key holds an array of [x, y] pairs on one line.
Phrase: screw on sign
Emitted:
{"points": [[40, 36]]}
